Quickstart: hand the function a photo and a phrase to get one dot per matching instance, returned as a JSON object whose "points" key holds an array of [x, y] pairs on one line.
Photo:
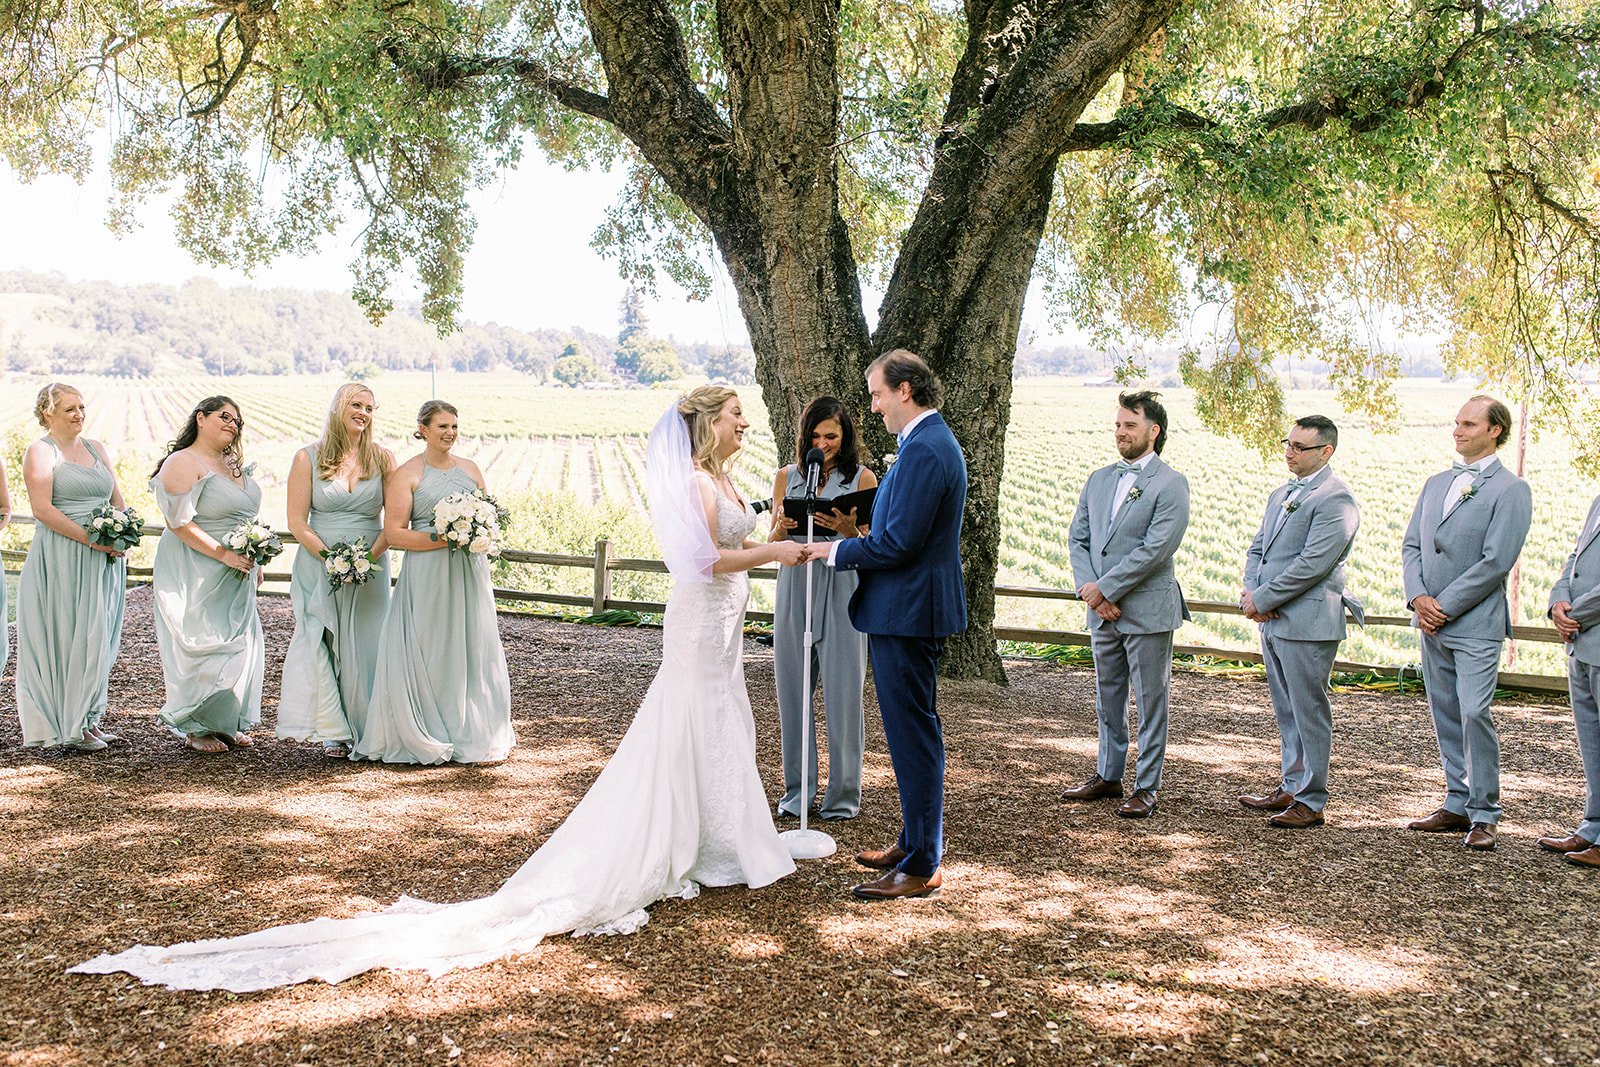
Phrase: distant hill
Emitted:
{"points": [[50, 324]]}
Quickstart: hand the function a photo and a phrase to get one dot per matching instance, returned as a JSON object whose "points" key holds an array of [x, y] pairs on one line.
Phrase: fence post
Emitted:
{"points": [[602, 574]]}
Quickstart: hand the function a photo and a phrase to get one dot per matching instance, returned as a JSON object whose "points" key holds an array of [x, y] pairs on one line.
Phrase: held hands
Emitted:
{"points": [[1430, 616], [814, 551], [1566, 625], [788, 553]]}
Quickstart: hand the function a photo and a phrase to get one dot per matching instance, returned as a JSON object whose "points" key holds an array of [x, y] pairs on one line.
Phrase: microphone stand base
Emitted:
{"points": [[808, 844]]}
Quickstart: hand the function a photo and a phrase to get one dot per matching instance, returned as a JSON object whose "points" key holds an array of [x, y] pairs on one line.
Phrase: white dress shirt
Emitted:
{"points": [[1119, 497], [1458, 485]]}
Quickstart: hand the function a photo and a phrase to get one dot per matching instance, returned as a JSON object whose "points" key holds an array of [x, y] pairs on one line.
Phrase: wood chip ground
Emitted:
{"points": [[1064, 935]]}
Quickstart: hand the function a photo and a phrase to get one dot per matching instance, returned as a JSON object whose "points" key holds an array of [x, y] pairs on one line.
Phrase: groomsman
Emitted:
{"points": [[1294, 589], [1575, 607], [1130, 521], [1465, 534]]}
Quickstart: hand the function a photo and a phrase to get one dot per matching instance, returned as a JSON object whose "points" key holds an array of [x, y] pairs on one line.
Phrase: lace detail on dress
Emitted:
{"points": [[679, 805]]}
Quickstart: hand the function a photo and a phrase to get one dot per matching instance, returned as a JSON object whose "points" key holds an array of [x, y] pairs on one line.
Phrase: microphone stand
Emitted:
{"points": [[805, 843]]}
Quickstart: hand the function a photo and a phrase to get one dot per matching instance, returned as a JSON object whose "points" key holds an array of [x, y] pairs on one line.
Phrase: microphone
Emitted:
{"points": [[814, 461]]}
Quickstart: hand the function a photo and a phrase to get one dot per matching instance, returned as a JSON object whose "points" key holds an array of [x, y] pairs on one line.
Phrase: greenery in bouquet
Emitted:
{"points": [[255, 541], [118, 529], [470, 522], [348, 563]]}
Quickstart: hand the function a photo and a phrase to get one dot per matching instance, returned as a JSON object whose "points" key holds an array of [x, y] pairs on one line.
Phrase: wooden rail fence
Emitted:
{"points": [[603, 564]]}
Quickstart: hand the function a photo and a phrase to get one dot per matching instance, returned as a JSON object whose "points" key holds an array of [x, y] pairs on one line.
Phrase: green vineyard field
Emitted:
{"points": [[571, 465]]}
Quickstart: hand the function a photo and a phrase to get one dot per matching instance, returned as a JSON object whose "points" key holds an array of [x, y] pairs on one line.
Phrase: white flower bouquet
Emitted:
{"points": [[347, 563], [255, 541], [116, 528], [470, 522]]}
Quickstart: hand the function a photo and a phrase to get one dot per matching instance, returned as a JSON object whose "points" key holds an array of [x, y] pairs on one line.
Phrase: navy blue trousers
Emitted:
{"points": [[905, 673]]}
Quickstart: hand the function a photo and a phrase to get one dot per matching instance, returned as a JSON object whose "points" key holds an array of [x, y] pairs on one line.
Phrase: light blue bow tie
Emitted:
{"points": [[1466, 468], [1128, 468], [1298, 483]]}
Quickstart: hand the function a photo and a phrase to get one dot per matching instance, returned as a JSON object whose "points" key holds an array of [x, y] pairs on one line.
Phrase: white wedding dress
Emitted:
{"points": [[680, 805]]}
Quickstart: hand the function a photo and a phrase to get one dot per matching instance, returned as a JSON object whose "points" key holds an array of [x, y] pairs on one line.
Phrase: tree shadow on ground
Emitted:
{"points": [[1065, 934]]}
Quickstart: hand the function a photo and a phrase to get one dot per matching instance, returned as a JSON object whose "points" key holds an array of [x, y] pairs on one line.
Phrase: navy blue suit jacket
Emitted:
{"points": [[910, 564]]}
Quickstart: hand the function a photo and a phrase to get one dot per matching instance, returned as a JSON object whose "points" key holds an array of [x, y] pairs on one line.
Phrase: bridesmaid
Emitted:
{"points": [[839, 650], [69, 601], [335, 494], [441, 692], [212, 651], [5, 520]]}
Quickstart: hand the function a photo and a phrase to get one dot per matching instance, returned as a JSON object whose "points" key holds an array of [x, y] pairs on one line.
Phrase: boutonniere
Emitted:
{"points": [[889, 460], [1291, 506], [1467, 494], [1135, 493]]}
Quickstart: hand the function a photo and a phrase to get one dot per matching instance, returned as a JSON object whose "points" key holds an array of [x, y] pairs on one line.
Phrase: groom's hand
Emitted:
{"points": [[817, 550]]}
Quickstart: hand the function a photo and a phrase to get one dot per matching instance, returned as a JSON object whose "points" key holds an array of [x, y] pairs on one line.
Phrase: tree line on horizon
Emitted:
{"points": [[62, 326]]}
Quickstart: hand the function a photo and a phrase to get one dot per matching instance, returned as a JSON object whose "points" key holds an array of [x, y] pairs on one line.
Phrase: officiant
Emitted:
{"points": [[839, 650]]}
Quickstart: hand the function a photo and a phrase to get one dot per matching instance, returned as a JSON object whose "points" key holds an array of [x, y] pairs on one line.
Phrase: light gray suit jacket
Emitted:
{"points": [[1579, 585], [1462, 558], [1131, 559], [1298, 570]]}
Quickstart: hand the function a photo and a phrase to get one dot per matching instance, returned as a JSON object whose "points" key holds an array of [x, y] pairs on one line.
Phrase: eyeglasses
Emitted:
{"points": [[1288, 444], [230, 419]]}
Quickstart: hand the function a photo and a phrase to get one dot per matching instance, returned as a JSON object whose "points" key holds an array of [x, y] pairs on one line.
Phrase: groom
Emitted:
{"points": [[911, 598]]}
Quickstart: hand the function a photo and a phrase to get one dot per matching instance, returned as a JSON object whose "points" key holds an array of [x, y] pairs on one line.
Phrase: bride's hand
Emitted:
{"points": [[788, 553]]}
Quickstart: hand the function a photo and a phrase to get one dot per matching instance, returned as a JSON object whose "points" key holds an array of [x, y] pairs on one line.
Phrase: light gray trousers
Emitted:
{"points": [[1297, 677], [1460, 675], [1583, 683], [1142, 663]]}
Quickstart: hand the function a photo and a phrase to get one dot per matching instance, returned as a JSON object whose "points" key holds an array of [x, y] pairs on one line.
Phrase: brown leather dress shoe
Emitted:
{"points": [[1481, 837], [1277, 800], [1094, 788], [1141, 805], [1570, 843], [1441, 822], [882, 859], [1296, 816], [896, 885], [1589, 857]]}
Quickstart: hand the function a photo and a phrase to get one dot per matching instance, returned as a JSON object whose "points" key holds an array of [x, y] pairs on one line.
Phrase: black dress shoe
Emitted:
{"points": [[897, 885], [1094, 788], [882, 859], [1141, 805]]}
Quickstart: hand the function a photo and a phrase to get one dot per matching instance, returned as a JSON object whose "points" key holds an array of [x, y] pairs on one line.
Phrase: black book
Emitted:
{"points": [[795, 506]]}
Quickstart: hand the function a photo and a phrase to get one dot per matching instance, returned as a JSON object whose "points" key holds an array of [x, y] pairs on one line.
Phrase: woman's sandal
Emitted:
{"points": [[210, 744], [239, 740]]}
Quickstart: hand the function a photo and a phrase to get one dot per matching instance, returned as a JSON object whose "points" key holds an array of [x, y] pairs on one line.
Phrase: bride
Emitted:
{"points": [[679, 805]]}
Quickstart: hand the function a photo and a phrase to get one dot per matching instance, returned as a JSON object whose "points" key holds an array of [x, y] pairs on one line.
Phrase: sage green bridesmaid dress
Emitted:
{"points": [[69, 613], [328, 667], [212, 650], [441, 693]]}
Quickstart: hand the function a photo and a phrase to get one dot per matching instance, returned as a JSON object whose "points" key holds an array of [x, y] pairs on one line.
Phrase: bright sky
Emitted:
{"points": [[530, 265]]}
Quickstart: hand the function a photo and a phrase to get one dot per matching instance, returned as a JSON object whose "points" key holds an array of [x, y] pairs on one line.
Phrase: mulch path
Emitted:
{"points": [[1065, 935]]}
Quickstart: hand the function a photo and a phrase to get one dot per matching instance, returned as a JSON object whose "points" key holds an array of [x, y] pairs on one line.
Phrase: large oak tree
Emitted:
{"points": [[1298, 170]]}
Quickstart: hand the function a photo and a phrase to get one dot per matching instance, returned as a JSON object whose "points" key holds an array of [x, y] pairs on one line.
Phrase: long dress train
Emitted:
{"points": [[679, 805], [69, 613]]}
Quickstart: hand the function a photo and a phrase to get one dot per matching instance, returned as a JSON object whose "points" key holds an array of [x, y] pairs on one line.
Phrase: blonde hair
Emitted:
{"points": [[699, 408], [49, 397], [336, 443]]}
